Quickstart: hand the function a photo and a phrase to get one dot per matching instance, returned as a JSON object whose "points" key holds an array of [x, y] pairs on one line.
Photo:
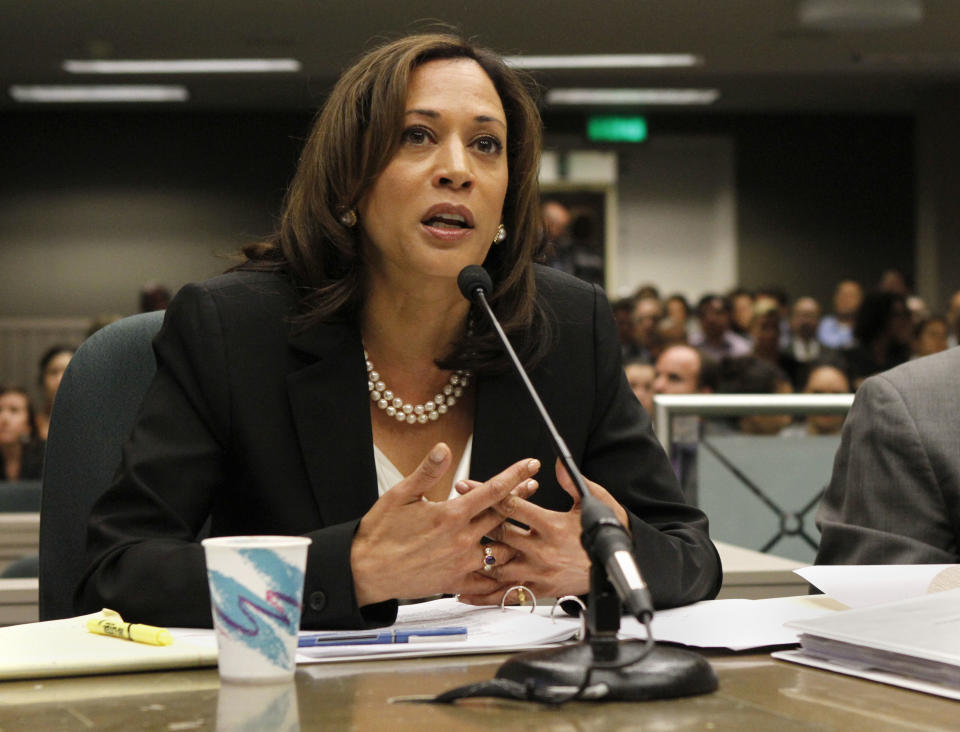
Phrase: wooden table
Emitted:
{"points": [[756, 693]]}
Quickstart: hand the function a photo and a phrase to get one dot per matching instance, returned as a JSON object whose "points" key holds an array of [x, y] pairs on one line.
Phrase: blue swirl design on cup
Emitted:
{"points": [[251, 618]]}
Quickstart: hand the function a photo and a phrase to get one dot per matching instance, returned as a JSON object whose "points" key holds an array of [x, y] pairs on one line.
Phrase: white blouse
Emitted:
{"points": [[388, 475]]}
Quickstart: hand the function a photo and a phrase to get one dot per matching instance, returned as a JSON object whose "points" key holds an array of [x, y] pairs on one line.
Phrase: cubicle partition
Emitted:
{"points": [[760, 492]]}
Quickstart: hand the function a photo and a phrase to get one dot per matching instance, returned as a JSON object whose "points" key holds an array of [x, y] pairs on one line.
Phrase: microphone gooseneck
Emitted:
{"points": [[603, 536]]}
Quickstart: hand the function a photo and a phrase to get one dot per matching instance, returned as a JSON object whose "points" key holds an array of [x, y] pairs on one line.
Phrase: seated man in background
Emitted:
{"points": [[715, 338], [836, 330], [894, 497], [684, 370]]}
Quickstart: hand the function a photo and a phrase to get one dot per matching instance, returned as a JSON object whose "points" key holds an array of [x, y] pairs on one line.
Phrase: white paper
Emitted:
{"points": [[489, 630], [734, 624], [863, 585]]}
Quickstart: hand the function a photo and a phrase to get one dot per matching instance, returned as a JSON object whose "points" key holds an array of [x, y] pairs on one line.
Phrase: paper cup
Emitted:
{"points": [[256, 591]]}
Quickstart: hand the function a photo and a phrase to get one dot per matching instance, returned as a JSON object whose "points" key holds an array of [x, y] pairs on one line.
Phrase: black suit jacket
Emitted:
{"points": [[263, 428]]}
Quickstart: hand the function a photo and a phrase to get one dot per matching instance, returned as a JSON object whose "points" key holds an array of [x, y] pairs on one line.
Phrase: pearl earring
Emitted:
{"points": [[347, 217], [501, 235]]}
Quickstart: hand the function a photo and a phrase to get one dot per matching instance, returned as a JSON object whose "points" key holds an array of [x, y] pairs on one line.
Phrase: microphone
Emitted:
{"points": [[603, 537], [601, 667]]}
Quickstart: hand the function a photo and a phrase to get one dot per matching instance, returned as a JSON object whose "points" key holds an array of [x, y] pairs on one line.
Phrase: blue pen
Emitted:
{"points": [[369, 637]]}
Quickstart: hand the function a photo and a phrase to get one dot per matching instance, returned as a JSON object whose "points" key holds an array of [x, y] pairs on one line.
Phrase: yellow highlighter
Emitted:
{"points": [[112, 624]]}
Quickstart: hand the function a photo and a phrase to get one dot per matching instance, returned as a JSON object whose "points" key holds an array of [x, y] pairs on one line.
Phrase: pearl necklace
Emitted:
{"points": [[430, 410]]}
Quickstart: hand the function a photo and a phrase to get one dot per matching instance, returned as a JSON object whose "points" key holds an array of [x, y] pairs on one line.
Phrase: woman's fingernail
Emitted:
{"points": [[531, 485], [462, 486], [437, 454], [533, 466]]}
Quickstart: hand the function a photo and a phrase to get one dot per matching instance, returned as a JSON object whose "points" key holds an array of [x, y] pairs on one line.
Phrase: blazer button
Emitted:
{"points": [[317, 600]]}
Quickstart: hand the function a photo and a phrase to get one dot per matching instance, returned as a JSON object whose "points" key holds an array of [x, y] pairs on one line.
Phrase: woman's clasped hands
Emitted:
{"points": [[546, 554], [407, 547]]}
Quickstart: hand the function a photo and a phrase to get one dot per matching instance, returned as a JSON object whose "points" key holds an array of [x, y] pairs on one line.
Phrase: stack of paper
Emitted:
{"points": [[489, 630], [913, 643]]}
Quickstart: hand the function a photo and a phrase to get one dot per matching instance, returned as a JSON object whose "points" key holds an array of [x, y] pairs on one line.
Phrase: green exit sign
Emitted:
{"points": [[616, 129]]}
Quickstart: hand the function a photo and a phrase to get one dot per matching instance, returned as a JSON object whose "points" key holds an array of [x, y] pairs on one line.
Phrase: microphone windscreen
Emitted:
{"points": [[473, 277]]}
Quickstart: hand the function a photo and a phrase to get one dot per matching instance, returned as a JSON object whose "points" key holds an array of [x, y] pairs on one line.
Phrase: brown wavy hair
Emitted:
{"points": [[353, 138]]}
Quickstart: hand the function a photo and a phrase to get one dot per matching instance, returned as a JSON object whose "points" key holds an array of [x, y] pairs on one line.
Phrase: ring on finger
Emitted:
{"points": [[488, 559]]}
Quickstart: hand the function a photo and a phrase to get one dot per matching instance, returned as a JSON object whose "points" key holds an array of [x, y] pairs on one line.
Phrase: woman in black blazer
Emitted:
{"points": [[337, 385]]}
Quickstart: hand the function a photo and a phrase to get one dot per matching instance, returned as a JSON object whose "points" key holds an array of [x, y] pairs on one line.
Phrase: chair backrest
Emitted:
{"points": [[93, 414], [20, 568], [20, 496]]}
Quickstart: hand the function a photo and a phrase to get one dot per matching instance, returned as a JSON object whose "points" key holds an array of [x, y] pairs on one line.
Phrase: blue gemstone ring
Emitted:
{"points": [[488, 559]]}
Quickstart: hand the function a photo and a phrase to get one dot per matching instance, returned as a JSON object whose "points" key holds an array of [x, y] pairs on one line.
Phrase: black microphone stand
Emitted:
{"points": [[600, 667]]}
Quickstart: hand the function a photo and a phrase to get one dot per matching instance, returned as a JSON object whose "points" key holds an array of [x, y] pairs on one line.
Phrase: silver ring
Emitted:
{"points": [[488, 559]]}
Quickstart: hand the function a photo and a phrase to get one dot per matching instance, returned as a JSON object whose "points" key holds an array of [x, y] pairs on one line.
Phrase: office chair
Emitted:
{"points": [[20, 496], [93, 414], [20, 568]]}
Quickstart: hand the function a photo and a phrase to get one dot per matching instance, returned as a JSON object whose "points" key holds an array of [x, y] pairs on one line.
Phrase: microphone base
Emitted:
{"points": [[665, 673]]}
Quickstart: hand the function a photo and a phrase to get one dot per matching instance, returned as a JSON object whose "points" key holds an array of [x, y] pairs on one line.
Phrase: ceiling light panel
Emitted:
{"points": [[185, 66], [606, 61], [84, 93], [584, 97]]}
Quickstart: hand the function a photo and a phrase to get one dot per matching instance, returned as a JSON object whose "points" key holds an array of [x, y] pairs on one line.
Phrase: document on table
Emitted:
{"points": [[913, 643], [490, 629], [871, 584], [66, 648], [734, 624]]}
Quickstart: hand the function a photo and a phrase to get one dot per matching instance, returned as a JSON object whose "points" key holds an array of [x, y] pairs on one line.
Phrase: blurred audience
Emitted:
{"points": [[778, 298], [678, 312], [52, 365], [623, 316], [836, 330], [647, 314], [571, 242], [752, 375], [929, 336], [882, 334], [640, 376], [765, 333], [953, 320], [824, 378], [918, 309], [741, 311], [715, 337], [804, 320], [895, 281], [21, 451], [154, 296]]}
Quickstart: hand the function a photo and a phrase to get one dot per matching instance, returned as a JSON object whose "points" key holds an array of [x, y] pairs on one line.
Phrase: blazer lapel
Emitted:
{"points": [[329, 402]]}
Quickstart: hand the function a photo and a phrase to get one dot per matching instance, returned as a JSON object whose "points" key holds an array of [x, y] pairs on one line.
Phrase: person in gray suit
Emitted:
{"points": [[894, 497]]}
